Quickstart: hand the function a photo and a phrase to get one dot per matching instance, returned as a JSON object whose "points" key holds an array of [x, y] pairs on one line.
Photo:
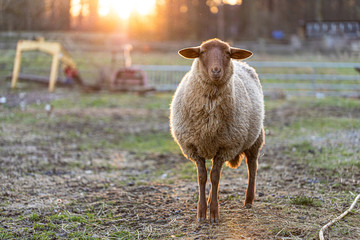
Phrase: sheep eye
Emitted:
{"points": [[202, 52]]}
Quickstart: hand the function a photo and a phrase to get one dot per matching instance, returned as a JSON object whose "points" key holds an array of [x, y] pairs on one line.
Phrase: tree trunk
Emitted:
{"points": [[221, 21], [93, 9], [318, 13]]}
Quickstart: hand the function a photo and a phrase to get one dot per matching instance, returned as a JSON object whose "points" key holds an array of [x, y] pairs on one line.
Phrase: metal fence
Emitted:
{"points": [[286, 78], [289, 78]]}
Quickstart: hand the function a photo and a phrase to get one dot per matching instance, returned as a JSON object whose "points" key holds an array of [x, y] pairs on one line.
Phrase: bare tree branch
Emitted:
{"points": [[321, 233]]}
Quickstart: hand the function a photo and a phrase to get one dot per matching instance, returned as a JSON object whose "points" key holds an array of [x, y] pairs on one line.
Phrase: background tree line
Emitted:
{"points": [[32, 15], [179, 19]]}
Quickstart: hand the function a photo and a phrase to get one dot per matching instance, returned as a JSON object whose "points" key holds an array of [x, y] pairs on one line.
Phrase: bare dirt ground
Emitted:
{"points": [[68, 174]]}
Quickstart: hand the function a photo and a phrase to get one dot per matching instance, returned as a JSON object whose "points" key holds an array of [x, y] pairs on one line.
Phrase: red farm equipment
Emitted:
{"points": [[128, 78]]}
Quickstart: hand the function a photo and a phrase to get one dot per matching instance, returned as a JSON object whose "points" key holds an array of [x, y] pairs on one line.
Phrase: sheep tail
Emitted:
{"points": [[236, 162]]}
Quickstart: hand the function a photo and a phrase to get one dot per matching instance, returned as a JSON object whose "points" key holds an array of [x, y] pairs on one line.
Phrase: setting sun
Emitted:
{"points": [[124, 8]]}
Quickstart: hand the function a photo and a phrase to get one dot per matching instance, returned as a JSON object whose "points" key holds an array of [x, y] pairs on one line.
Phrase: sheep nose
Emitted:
{"points": [[216, 70]]}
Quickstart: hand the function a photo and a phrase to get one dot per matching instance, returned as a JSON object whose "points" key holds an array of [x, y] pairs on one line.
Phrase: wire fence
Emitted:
{"points": [[287, 78]]}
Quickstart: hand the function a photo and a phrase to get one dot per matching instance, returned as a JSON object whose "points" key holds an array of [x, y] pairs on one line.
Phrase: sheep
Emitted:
{"points": [[217, 113]]}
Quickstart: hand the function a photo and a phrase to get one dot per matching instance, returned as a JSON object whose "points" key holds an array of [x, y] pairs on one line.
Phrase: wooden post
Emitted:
{"points": [[54, 71], [127, 56], [17, 64]]}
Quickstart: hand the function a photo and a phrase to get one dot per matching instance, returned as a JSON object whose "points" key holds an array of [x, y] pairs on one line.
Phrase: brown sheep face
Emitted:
{"points": [[215, 56]]}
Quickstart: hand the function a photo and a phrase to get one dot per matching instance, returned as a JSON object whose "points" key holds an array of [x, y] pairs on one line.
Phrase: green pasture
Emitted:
{"points": [[312, 119]]}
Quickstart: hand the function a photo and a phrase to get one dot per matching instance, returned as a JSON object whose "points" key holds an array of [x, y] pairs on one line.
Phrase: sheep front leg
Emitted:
{"points": [[214, 192], [202, 179]]}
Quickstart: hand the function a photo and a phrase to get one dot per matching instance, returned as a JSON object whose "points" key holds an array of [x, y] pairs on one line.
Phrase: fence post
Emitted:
{"points": [[313, 80]]}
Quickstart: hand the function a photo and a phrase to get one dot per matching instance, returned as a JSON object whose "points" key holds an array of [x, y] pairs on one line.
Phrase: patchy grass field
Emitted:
{"points": [[104, 166]]}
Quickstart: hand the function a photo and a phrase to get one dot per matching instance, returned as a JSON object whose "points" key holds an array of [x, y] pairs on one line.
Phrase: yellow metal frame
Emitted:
{"points": [[55, 49]]}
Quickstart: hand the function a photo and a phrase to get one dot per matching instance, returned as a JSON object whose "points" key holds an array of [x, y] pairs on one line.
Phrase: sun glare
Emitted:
{"points": [[76, 8], [233, 2], [123, 8]]}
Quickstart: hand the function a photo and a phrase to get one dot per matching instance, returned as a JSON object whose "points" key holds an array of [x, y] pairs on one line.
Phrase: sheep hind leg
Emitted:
{"points": [[252, 155], [202, 179], [213, 201]]}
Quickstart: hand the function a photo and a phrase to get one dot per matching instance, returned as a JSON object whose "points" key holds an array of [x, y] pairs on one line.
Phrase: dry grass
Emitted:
{"points": [[80, 173]]}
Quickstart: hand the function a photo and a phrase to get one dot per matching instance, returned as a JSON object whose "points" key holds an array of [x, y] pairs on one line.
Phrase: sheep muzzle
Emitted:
{"points": [[215, 73]]}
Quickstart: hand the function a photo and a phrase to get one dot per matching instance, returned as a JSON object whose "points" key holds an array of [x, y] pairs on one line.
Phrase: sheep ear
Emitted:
{"points": [[192, 52], [238, 53]]}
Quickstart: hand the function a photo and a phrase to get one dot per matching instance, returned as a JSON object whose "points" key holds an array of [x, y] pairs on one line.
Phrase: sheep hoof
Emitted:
{"points": [[214, 216], [214, 220], [201, 211], [248, 205]]}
